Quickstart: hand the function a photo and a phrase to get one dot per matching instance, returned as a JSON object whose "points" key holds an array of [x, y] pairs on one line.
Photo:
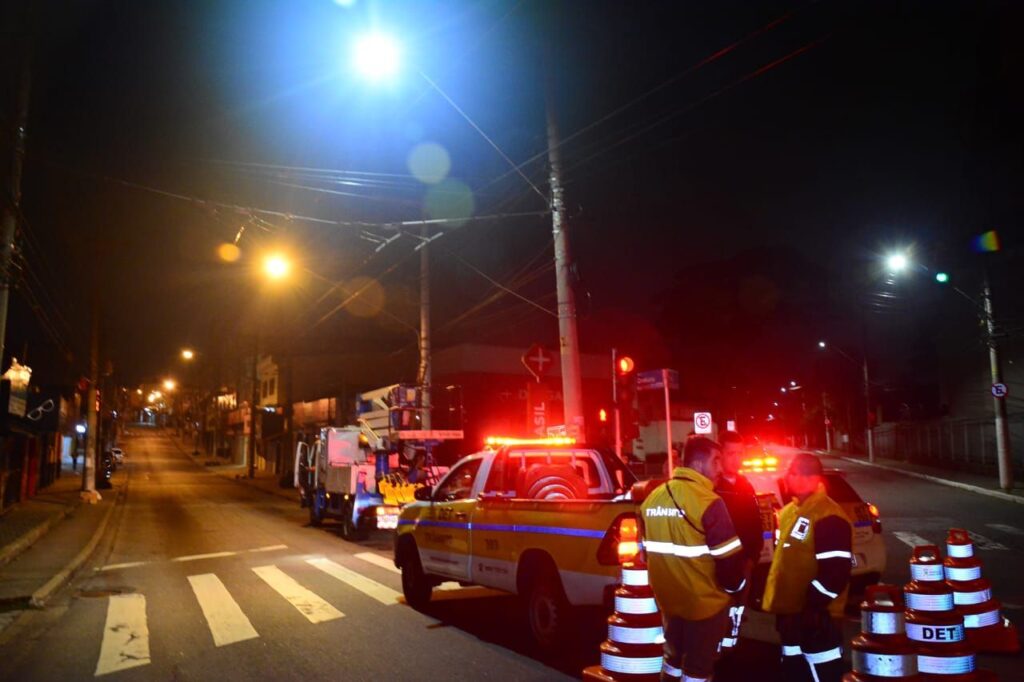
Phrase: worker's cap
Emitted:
{"points": [[805, 464]]}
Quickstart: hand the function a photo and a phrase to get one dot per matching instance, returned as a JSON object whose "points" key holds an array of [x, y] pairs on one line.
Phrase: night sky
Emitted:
{"points": [[726, 210]]}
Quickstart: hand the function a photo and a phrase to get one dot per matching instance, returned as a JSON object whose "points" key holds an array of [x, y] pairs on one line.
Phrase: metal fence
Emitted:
{"points": [[967, 444]]}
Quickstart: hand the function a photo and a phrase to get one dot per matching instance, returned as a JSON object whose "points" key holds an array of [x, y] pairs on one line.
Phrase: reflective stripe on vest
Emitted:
{"points": [[670, 670], [815, 658]]}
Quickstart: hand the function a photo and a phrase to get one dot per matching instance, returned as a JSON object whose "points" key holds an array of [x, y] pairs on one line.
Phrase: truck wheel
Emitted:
{"points": [[548, 612], [351, 532], [316, 512], [416, 585]]}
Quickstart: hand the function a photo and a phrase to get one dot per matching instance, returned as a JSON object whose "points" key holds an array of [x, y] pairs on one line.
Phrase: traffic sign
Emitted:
{"points": [[1000, 390], [652, 379], [702, 422], [538, 360]]}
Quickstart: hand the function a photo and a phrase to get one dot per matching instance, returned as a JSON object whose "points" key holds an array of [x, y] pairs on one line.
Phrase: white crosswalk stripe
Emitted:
{"points": [[389, 565], [223, 615], [315, 609], [1012, 530], [125, 635], [371, 588], [982, 542], [911, 539]]}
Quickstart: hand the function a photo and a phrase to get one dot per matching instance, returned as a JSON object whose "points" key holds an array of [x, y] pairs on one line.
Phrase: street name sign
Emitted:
{"points": [[653, 379]]}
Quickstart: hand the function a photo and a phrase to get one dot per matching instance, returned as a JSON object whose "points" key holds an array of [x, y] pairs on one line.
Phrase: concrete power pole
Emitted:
{"points": [[568, 337], [423, 376], [10, 206], [1003, 451], [869, 434], [89, 492]]}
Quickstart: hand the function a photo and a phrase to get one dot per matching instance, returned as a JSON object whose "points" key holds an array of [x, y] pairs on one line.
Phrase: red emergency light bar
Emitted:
{"points": [[498, 441]]}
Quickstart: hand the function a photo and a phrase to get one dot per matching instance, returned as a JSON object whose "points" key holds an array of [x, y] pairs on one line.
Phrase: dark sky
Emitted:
{"points": [[725, 212]]}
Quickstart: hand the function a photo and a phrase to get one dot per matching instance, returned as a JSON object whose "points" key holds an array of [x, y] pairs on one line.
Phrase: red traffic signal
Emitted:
{"points": [[625, 365]]}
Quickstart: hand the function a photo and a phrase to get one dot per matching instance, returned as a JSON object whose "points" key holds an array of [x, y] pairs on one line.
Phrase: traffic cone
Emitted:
{"points": [[882, 651], [933, 625], [633, 650], [986, 627]]}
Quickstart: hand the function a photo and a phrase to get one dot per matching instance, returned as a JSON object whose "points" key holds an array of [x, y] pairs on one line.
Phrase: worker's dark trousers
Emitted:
{"points": [[811, 647]]}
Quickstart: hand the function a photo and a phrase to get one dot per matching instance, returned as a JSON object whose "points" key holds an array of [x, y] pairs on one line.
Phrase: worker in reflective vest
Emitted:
{"points": [[695, 562], [809, 576], [741, 500]]}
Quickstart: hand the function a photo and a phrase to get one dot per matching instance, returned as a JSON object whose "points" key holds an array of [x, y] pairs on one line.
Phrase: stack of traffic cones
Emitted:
{"points": [[882, 650], [933, 624], [986, 627], [633, 650]]}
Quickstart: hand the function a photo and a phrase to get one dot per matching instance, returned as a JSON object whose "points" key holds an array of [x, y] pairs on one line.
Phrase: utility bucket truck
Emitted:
{"points": [[337, 479]]}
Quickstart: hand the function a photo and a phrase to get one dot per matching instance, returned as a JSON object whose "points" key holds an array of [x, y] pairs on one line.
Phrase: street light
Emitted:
{"points": [[187, 354], [897, 263], [170, 384], [276, 266], [868, 432], [376, 56]]}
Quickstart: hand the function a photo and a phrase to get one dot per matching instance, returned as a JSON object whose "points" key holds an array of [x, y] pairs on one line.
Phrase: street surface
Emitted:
{"points": [[199, 577]]}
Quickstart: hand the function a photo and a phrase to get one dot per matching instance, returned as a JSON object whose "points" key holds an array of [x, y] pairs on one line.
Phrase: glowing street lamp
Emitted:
{"points": [[822, 345], [897, 263], [376, 56], [276, 266], [169, 384], [187, 354]]}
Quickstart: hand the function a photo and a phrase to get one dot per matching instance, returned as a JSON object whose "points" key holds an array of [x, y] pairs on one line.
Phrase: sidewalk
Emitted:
{"points": [[977, 483], [47, 538]]}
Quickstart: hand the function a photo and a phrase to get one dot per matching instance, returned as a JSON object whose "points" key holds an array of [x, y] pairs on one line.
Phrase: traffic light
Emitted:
{"points": [[625, 381], [602, 415], [941, 277]]}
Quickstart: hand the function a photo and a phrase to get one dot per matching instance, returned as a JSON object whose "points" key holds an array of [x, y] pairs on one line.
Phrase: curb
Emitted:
{"points": [[998, 494], [39, 597], [11, 551]]}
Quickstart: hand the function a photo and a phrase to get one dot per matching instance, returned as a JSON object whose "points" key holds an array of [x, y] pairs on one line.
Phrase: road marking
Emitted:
{"points": [[315, 609], [371, 588], [125, 635], [982, 542], [197, 557], [227, 622], [114, 567], [1006, 529], [388, 565], [911, 539], [269, 548]]}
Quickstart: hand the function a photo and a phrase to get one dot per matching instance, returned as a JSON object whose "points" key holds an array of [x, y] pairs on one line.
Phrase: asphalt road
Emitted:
{"points": [[199, 577]]}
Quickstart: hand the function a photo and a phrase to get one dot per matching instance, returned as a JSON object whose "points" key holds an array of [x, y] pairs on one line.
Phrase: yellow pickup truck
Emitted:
{"points": [[543, 519]]}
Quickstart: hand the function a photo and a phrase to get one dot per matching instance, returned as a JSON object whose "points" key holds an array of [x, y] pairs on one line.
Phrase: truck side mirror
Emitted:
{"points": [[423, 494]]}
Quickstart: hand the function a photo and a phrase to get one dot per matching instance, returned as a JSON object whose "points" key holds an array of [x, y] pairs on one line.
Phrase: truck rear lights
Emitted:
{"points": [[621, 543]]}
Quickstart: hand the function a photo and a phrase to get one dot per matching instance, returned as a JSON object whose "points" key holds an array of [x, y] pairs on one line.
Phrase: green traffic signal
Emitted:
{"points": [[941, 277]]}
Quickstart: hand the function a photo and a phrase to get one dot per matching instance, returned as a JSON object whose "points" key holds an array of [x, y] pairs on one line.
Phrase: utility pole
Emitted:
{"points": [[568, 337], [254, 399], [828, 422], [423, 376], [89, 492], [615, 404], [995, 366], [10, 206], [868, 431]]}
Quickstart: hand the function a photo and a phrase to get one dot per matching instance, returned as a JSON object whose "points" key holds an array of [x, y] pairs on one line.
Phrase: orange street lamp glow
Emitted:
{"points": [[187, 354], [276, 266], [169, 384]]}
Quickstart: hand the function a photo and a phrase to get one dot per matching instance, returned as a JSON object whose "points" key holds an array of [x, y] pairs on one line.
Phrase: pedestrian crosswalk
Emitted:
{"points": [[981, 542], [220, 598]]}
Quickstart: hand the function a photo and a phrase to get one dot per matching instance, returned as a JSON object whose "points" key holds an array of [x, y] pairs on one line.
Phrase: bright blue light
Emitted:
{"points": [[376, 56]]}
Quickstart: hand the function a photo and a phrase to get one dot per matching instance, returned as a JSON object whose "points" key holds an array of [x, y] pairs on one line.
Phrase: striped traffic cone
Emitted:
{"points": [[882, 651], [633, 650], [987, 629], [933, 624]]}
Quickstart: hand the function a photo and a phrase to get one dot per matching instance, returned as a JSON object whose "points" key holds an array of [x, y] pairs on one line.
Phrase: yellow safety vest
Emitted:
{"points": [[681, 565], [795, 565]]}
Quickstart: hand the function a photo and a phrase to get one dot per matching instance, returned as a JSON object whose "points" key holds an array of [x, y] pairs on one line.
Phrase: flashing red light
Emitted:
{"points": [[629, 540], [626, 364], [602, 415]]}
